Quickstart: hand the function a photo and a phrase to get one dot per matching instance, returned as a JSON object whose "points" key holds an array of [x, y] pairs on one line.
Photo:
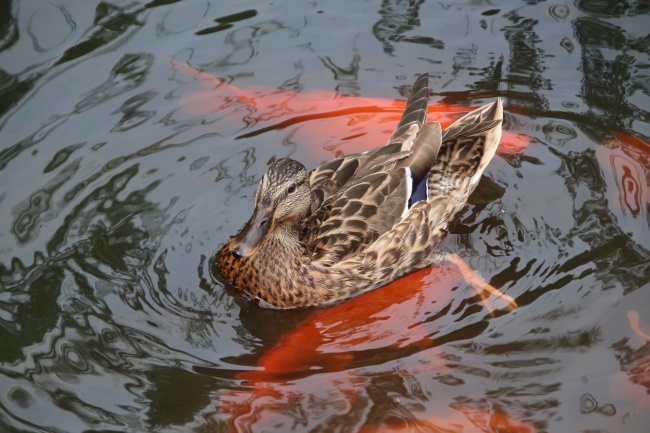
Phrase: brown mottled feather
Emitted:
{"points": [[415, 113]]}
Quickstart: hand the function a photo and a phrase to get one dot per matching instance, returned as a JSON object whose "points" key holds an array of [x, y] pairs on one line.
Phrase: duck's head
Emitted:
{"points": [[283, 197]]}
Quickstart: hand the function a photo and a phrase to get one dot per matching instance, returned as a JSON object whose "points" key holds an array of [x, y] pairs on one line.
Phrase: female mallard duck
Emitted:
{"points": [[360, 221]]}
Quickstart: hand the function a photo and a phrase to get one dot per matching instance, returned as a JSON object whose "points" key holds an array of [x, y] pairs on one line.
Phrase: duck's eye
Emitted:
{"points": [[292, 188]]}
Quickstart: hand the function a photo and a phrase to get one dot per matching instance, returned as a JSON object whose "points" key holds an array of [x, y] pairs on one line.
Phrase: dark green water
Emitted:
{"points": [[113, 197]]}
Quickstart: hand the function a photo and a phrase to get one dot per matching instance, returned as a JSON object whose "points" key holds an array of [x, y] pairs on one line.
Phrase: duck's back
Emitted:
{"points": [[357, 198]]}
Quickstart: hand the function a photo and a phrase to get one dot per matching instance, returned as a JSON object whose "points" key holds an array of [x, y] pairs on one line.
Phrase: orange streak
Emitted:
{"points": [[339, 124], [315, 358], [632, 141], [328, 339], [633, 317]]}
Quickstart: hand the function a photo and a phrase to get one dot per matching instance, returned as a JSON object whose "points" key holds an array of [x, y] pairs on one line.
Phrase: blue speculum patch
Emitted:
{"points": [[419, 192]]}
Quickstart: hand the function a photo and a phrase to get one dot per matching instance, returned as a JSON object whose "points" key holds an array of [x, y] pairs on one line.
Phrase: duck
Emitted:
{"points": [[361, 221]]}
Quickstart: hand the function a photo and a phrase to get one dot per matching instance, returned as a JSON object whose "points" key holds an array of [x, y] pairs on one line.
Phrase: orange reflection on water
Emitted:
{"points": [[625, 164], [633, 317], [325, 361], [338, 124], [316, 360], [457, 422]]}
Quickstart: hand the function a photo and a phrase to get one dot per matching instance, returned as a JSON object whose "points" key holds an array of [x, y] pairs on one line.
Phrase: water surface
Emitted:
{"points": [[121, 174]]}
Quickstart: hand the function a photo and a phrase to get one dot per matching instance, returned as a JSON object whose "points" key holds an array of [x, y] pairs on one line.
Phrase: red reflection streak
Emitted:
{"points": [[327, 342], [633, 383], [629, 158], [633, 317], [339, 124], [316, 361], [458, 422]]}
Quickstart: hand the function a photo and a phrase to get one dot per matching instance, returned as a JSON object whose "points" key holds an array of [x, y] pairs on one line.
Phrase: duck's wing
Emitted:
{"points": [[357, 198], [468, 146], [415, 113], [365, 208], [482, 127], [330, 177]]}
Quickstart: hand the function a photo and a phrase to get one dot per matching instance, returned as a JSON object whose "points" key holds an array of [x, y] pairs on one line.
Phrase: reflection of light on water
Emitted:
{"points": [[625, 165], [120, 175], [559, 12], [558, 133], [628, 187], [633, 317]]}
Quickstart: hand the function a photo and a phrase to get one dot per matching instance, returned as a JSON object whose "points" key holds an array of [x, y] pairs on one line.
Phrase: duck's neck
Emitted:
{"points": [[284, 238]]}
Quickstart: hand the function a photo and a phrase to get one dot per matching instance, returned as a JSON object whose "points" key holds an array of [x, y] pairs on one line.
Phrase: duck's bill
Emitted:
{"points": [[252, 234]]}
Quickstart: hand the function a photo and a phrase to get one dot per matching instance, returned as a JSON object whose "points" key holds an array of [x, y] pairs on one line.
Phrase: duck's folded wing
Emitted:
{"points": [[415, 112], [411, 134], [356, 199], [328, 179], [369, 205], [455, 132]]}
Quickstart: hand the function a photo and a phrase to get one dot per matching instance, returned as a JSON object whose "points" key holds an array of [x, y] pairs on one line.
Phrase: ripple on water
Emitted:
{"points": [[121, 175], [559, 133]]}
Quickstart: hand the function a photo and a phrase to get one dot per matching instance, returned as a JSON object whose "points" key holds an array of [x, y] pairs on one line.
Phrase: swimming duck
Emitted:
{"points": [[360, 221]]}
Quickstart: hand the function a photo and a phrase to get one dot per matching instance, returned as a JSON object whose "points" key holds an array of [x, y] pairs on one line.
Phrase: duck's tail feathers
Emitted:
{"points": [[467, 147], [424, 151], [413, 134], [415, 113]]}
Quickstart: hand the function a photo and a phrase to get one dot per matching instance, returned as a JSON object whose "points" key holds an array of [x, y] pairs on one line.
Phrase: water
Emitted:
{"points": [[122, 173]]}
